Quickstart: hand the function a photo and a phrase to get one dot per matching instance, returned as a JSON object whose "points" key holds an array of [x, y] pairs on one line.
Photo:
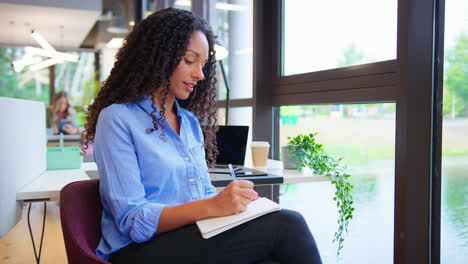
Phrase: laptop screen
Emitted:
{"points": [[232, 142]]}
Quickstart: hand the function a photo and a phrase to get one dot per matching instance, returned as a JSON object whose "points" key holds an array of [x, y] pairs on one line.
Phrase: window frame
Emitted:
{"points": [[413, 82]]}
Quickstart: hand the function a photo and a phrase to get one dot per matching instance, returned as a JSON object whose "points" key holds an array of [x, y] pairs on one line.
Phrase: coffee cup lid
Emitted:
{"points": [[260, 144]]}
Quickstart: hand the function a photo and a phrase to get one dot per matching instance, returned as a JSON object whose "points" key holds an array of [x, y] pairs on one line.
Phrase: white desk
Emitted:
{"points": [[50, 182], [290, 176], [76, 137], [68, 140]]}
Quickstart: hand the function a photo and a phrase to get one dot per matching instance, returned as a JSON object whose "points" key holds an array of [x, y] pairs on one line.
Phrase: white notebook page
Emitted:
{"points": [[213, 226]]}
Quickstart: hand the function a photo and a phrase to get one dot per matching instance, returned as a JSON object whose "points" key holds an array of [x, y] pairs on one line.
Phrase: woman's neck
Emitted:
{"points": [[169, 102]]}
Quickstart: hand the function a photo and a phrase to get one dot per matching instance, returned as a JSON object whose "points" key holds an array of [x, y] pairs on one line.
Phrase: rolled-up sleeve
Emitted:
{"points": [[121, 189]]}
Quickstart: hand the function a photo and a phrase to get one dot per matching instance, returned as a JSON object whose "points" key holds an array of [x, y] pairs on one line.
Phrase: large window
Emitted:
{"points": [[183, 4], [21, 85], [232, 22], [321, 35], [363, 52], [78, 79], [364, 136], [454, 216]]}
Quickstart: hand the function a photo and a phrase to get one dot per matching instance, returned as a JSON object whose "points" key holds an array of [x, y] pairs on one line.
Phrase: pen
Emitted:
{"points": [[233, 174]]}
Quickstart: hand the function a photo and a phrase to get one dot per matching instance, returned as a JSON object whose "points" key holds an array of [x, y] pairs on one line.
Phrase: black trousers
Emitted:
{"points": [[281, 236]]}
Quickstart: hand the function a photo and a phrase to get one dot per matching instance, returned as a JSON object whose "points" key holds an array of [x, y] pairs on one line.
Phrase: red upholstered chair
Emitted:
{"points": [[80, 215]]}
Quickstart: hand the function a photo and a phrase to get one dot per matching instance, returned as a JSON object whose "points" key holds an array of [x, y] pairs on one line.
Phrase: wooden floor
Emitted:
{"points": [[16, 246]]}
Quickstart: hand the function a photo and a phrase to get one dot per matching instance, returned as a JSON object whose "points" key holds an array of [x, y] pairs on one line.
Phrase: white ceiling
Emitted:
{"points": [[17, 21]]}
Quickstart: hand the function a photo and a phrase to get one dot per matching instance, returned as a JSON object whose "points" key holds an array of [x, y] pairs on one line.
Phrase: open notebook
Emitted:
{"points": [[212, 226]]}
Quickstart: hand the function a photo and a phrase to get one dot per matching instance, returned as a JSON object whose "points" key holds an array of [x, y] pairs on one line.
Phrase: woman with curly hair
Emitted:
{"points": [[152, 123]]}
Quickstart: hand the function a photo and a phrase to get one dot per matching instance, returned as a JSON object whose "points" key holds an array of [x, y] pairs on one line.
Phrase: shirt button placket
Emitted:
{"points": [[191, 180]]}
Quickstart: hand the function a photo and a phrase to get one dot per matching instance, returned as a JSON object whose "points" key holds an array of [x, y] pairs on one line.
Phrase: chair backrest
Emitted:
{"points": [[80, 215]]}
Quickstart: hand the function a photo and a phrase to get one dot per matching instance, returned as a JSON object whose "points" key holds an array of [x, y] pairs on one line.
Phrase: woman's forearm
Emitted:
{"points": [[173, 217], [233, 199]]}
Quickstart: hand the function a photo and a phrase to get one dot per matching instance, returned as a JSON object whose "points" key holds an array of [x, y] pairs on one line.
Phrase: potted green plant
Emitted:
{"points": [[310, 154]]}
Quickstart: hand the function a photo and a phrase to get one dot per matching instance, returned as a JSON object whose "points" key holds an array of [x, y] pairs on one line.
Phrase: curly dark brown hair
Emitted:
{"points": [[146, 61]]}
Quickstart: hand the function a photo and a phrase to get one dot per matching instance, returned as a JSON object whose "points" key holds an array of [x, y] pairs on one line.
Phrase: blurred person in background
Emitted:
{"points": [[61, 116]]}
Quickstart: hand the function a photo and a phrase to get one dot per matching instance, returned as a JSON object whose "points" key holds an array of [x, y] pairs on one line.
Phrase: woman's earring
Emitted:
{"points": [[149, 130]]}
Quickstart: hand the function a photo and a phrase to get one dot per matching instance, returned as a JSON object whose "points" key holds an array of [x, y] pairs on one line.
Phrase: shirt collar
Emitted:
{"points": [[146, 104]]}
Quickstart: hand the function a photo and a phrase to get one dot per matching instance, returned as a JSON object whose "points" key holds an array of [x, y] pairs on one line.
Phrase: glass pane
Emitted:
{"points": [[183, 4], [364, 136], [220, 116], [454, 203], [321, 35], [24, 84], [232, 22], [78, 80]]}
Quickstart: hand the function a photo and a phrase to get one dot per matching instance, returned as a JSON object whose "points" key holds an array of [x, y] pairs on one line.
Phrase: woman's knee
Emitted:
{"points": [[291, 217]]}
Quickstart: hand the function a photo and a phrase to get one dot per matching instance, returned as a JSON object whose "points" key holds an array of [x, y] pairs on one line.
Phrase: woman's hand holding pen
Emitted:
{"points": [[234, 198]]}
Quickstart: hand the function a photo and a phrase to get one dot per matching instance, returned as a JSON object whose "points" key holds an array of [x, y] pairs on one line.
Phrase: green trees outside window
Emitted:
{"points": [[78, 79]]}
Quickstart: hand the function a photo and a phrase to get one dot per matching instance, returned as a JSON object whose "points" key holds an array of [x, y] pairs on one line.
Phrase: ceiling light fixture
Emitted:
{"points": [[52, 54], [19, 65], [45, 63], [41, 40], [35, 63]]}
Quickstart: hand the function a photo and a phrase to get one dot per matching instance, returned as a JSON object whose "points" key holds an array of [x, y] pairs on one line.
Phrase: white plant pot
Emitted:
{"points": [[287, 159], [306, 171]]}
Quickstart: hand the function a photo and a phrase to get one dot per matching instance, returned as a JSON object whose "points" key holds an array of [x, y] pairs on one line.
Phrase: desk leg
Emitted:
{"points": [[37, 256], [270, 191]]}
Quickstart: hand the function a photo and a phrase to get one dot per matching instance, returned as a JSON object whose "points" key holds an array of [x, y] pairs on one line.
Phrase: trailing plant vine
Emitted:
{"points": [[310, 154]]}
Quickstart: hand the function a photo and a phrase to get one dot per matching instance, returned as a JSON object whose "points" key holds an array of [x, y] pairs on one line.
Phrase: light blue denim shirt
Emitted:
{"points": [[141, 173]]}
